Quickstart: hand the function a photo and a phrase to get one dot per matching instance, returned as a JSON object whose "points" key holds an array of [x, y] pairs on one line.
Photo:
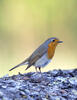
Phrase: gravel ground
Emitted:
{"points": [[51, 85]]}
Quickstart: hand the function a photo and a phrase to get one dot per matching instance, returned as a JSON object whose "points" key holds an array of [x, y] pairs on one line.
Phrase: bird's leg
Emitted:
{"points": [[36, 69], [40, 69]]}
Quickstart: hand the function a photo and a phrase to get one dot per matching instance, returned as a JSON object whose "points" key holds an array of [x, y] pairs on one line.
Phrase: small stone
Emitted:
{"points": [[6, 98], [54, 98], [54, 72], [25, 78], [73, 80], [1, 93], [74, 92], [36, 78], [44, 99], [4, 86], [34, 93], [27, 91]]}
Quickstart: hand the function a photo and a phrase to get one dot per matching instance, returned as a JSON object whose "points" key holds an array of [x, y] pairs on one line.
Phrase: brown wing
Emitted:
{"points": [[32, 62], [37, 54]]}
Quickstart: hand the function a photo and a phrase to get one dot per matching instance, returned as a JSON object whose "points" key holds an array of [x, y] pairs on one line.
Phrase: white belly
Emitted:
{"points": [[43, 61]]}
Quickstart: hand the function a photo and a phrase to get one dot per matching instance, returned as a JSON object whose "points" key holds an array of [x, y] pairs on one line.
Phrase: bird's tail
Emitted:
{"points": [[23, 63]]}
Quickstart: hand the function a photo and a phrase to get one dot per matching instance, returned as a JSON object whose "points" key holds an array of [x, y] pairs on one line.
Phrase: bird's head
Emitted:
{"points": [[54, 41]]}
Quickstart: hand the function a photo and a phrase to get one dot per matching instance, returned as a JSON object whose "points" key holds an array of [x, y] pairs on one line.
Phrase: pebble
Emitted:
{"points": [[74, 92], [73, 80]]}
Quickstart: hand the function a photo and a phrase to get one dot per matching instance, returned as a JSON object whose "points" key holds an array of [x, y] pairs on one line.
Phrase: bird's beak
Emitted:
{"points": [[60, 41]]}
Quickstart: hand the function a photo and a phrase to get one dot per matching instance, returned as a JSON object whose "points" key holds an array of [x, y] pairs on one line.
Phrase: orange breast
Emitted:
{"points": [[51, 51]]}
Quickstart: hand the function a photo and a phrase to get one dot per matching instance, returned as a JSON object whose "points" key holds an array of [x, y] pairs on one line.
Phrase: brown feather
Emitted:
{"points": [[51, 49]]}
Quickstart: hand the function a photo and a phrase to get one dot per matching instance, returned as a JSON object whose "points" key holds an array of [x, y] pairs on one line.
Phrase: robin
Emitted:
{"points": [[42, 55]]}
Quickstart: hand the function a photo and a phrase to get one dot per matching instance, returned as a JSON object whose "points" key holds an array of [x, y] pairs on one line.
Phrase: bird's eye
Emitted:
{"points": [[53, 41]]}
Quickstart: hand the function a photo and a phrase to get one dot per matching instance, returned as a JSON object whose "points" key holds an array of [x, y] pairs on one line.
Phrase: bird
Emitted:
{"points": [[42, 56]]}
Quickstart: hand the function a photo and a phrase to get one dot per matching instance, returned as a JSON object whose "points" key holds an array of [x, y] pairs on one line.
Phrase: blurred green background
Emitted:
{"points": [[25, 24]]}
